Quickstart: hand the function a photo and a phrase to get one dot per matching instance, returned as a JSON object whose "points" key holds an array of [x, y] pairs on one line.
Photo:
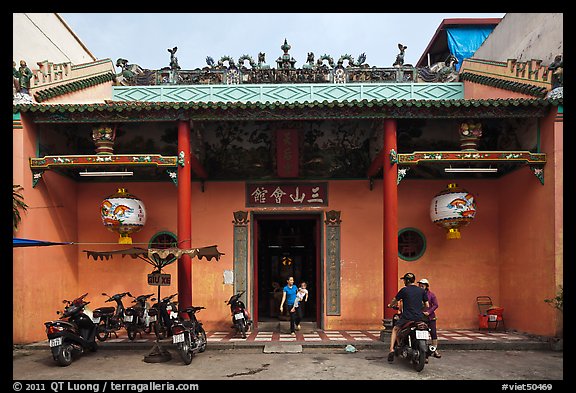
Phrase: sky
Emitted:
{"points": [[144, 38]]}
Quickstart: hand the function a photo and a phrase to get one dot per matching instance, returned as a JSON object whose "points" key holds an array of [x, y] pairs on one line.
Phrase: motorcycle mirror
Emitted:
{"points": [[104, 294]]}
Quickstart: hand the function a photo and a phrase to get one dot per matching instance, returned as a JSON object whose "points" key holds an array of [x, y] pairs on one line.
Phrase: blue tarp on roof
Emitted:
{"points": [[464, 41], [19, 242]]}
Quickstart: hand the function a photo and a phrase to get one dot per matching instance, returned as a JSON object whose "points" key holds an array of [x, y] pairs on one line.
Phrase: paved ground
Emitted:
{"points": [[310, 363], [498, 358]]}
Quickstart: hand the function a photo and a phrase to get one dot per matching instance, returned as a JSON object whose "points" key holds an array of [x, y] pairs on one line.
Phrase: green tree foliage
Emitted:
{"points": [[17, 205]]}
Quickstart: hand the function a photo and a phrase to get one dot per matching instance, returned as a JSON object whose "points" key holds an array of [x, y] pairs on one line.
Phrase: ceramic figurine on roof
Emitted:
{"points": [[557, 72], [286, 61], [21, 83], [443, 71], [24, 75], [129, 71], [309, 61], [400, 57], [262, 61], [15, 79], [557, 69], [173, 59]]}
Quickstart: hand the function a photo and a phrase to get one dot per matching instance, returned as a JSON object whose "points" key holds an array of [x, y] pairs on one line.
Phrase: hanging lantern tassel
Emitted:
{"points": [[123, 213], [452, 209]]}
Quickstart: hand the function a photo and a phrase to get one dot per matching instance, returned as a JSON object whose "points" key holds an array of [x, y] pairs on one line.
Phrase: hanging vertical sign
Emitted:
{"points": [[287, 152]]}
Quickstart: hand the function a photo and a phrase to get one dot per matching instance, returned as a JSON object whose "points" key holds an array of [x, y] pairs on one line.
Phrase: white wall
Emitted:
{"points": [[525, 36], [44, 36]]}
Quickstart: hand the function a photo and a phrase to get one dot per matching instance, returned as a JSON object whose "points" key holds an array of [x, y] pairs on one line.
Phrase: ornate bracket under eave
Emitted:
{"points": [[538, 171], [535, 161], [40, 164]]}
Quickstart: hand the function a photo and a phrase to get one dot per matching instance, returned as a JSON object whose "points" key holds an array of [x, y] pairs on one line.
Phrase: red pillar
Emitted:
{"points": [[390, 233], [184, 216]]}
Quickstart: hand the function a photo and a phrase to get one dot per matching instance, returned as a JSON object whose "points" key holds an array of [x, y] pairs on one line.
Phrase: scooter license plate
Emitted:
{"points": [[178, 338], [96, 320], [128, 318], [152, 318], [239, 316], [56, 342], [422, 335]]}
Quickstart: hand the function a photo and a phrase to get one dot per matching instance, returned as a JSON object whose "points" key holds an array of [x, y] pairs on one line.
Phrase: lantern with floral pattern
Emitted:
{"points": [[123, 213], [451, 209]]}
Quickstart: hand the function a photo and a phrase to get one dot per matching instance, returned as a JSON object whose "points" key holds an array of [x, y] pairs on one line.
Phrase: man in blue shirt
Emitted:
{"points": [[413, 298], [289, 296]]}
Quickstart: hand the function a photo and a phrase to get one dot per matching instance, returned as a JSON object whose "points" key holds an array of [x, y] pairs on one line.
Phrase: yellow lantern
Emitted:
{"points": [[123, 213], [453, 208]]}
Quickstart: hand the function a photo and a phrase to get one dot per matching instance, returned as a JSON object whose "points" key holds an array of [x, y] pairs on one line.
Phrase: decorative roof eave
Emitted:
{"points": [[51, 92], [133, 111], [524, 88]]}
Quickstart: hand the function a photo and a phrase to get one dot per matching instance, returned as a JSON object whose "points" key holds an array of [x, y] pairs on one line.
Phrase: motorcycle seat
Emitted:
{"points": [[104, 310], [193, 309]]}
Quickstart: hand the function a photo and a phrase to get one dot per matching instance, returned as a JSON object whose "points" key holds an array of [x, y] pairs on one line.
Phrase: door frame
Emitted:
{"points": [[255, 216]]}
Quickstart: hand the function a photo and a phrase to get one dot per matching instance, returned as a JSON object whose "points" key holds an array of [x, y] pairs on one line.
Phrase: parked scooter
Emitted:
{"points": [[240, 317], [167, 311], [137, 319], [73, 333], [414, 338], [110, 319], [189, 335]]}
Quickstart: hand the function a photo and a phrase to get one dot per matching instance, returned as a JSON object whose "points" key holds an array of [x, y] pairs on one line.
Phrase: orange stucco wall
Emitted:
{"points": [[478, 91], [509, 251], [42, 276]]}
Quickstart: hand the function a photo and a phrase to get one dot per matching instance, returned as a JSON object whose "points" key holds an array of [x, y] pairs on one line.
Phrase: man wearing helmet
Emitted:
{"points": [[413, 298]]}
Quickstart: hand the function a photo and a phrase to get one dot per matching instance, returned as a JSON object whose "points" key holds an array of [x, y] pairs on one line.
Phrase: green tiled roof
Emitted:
{"points": [[66, 88], [136, 111]]}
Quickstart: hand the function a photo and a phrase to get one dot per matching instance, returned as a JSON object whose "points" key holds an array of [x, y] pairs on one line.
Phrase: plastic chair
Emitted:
{"points": [[488, 314]]}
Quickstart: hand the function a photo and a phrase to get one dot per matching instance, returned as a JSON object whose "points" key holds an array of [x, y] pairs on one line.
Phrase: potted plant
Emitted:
{"points": [[557, 302]]}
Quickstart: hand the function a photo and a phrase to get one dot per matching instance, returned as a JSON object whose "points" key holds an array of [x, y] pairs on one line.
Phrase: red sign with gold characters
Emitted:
{"points": [[286, 194]]}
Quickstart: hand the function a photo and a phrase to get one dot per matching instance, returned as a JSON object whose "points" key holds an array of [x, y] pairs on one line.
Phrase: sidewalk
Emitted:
{"points": [[447, 339]]}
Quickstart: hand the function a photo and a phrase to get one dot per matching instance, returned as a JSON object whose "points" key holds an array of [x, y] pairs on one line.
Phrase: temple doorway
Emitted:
{"points": [[286, 245]]}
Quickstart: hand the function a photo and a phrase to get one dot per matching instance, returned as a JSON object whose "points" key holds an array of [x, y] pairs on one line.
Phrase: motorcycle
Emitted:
{"points": [[189, 335], [110, 319], [140, 317], [167, 312], [73, 333], [414, 338], [240, 317]]}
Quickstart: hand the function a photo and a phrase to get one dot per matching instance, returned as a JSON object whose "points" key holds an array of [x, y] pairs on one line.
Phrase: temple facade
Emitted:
{"points": [[339, 173]]}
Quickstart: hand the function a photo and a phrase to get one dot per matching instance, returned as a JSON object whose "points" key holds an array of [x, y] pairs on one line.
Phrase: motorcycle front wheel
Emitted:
{"points": [[421, 360], [241, 324], [101, 333], [131, 333], [185, 352], [64, 357], [202, 336]]}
